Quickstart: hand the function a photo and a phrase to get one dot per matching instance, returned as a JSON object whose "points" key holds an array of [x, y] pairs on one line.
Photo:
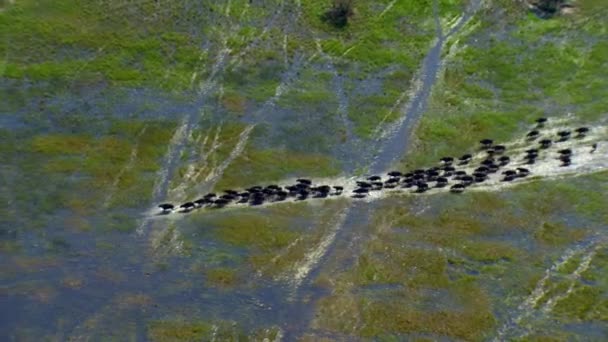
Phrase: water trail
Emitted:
{"points": [[215, 174], [239, 57], [128, 166], [205, 155], [173, 149], [393, 147], [387, 8], [227, 10], [574, 278], [529, 307], [195, 168], [313, 256], [547, 166], [186, 126], [287, 80], [395, 138], [285, 53], [338, 85]]}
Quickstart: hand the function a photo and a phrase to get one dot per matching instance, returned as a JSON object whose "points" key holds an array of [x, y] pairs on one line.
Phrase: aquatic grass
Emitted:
{"points": [[366, 112], [596, 273], [222, 277], [54, 44], [178, 330], [256, 79], [181, 328], [490, 251], [380, 317], [581, 195], [60, 144], [77, 222], [312, 91], [494, 87], [256, 166], [372, 41], [234, 102], [315, 223], [252, 230], [460, 249], [75, 162], [584, 303], [555, 233]]}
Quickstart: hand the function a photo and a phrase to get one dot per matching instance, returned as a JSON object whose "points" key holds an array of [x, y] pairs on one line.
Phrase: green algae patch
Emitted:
{"points": [[165, 331], [222, 277]]}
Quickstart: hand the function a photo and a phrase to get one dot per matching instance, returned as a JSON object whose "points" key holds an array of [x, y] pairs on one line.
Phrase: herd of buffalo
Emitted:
{"points": [[450, 173]]}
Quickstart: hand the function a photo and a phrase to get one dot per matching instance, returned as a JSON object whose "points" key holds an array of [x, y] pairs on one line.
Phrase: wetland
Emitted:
{"points": [[110, 108]]}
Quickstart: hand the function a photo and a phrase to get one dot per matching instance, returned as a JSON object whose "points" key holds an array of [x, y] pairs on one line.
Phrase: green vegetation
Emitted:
{"points": [[162, 331], [253, 230], [73, 40], [100, 160], [255, 166], [484, 93], [82, 150], [459, 253], [222, 277], [183, 330]]}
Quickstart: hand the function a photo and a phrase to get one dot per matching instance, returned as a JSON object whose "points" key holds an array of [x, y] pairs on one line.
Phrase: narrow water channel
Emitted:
{"points": [[390, 149]]}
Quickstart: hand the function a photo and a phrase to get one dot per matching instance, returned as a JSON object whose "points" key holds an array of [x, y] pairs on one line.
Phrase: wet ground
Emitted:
{"points": [[109, 109]]}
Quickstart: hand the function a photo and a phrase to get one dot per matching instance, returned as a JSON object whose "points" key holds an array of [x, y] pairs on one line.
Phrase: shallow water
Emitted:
{"points": [[85, 160]]}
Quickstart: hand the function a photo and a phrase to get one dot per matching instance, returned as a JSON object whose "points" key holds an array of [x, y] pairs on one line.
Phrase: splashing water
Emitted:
{"points": [[547, 166]]}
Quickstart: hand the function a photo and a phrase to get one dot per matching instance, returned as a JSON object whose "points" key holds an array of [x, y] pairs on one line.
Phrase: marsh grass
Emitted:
{"points": [[222, 277], [494, 88], [166, 330], [88, 162], [472, 249], [188, 329], [75, 40], [256, 166]]}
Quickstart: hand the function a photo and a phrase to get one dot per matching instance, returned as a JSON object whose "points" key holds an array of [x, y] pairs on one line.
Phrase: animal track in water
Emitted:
{"points": [[550, 153]]}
